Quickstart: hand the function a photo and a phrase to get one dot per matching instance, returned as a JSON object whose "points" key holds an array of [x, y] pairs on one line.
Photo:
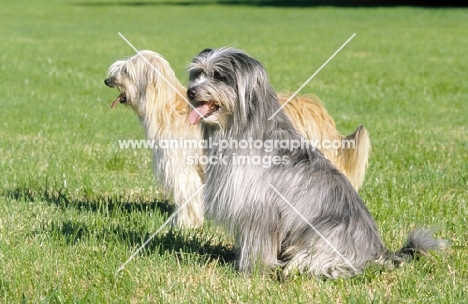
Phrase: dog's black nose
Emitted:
{"points": [[191, 93], [107, 82]]}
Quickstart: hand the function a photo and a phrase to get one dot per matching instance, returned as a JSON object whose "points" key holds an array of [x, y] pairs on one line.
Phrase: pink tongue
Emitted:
{"points": [[118, 99], [198, 113]]}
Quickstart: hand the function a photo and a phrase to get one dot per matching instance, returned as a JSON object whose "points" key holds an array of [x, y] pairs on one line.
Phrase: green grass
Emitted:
{"points": [[73, 207]]}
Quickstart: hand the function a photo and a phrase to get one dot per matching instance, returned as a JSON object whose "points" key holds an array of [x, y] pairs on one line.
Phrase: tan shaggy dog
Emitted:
{"points": [[149, 86]]}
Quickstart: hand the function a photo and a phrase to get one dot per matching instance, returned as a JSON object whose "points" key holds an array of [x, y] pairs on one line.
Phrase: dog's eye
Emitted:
{"points": [[195, 74], [217, 76]]}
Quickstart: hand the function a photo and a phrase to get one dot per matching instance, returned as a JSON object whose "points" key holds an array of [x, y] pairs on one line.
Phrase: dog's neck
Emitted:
{"points": [[164, 110], [256, 126]]}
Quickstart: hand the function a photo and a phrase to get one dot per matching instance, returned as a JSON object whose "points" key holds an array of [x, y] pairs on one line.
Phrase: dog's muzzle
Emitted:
{"points": [[109, 82], [191, 93], [200, 108], [121, 98]]}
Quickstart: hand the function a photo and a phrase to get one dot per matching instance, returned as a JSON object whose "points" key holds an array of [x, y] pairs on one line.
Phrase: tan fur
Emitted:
{"points": [[311, 120], [163, 113]]}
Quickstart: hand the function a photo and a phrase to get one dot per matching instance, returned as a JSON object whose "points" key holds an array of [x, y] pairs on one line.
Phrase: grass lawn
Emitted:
{"points": [[73, 206]]}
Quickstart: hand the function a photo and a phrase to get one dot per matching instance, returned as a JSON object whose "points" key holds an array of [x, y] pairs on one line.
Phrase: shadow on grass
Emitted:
{"points": [[177, 242], [128, 230], [89, 200], [283, 3]]}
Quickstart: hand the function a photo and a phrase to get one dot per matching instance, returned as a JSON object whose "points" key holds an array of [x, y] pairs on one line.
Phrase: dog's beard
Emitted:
{"points": [[204, 110], [209, 104]]}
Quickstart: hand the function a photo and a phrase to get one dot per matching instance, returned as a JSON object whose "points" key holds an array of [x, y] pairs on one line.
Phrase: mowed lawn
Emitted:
{"points": [[74, 207]]}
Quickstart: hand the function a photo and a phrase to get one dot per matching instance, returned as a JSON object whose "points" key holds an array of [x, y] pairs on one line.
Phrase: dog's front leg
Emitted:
{"points": [[191, 216], [257, 245]]}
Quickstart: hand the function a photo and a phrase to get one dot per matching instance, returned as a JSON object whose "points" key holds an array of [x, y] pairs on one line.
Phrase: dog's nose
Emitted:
{"points": [[107, 82], [191, 93]]}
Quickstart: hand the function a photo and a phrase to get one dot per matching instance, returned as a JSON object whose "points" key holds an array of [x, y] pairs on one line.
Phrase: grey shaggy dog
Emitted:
{"points": [[327, 230]]}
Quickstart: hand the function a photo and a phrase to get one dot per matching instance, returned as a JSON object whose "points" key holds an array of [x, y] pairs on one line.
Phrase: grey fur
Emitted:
{"points": [[268, 232]]}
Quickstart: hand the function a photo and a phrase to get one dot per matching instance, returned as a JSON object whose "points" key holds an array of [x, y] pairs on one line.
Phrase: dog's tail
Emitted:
{"points": [[355, 151], [419, 242]]}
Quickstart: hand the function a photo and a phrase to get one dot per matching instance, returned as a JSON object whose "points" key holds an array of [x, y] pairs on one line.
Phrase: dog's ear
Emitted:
{"points": [[205, 51]]}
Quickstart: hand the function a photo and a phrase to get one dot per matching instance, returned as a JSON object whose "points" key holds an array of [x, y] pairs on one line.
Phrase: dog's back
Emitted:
{"points": [[312, 120]]}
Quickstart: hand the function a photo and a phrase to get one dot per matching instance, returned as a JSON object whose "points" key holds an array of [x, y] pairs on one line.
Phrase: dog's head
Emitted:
{"points": [[140, 76], [225, 85]]}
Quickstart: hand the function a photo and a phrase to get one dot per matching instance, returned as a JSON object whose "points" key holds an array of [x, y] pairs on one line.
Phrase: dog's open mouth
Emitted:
{"points": [[203, 110], [121, 98]]}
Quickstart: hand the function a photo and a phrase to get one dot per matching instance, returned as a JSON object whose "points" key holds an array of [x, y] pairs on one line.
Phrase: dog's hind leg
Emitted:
{"points": [[327, 264]]}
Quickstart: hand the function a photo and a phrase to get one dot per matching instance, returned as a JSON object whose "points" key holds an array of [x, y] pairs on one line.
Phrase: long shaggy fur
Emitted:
{"points": [[161, 107], [163, 114], [251, 200]]}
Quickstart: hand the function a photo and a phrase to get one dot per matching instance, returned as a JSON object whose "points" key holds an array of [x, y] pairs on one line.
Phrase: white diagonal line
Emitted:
{"points": [[157, 231], [161, 75], [312, 226], [313, 75]]}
